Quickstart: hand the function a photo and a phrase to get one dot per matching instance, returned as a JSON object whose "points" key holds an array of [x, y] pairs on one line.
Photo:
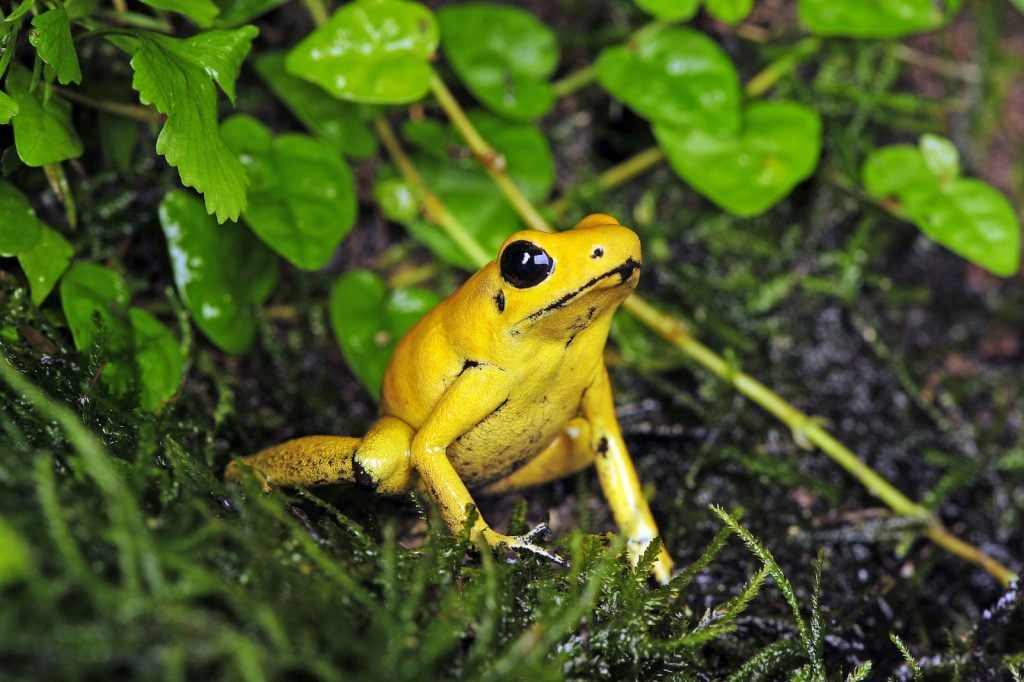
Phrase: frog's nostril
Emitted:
{"points": [[598, 252]]}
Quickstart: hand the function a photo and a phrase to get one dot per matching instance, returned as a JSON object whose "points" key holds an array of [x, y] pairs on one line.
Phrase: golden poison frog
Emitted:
{"points": [[500, 387]]}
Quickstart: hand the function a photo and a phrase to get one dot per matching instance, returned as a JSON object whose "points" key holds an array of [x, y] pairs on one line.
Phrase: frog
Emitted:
{"points": [[500, 387]]}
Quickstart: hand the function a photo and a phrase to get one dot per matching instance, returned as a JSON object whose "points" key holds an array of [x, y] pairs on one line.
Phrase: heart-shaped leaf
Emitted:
{"points": [[222, 272], [45, 262], [159, 359], [676, 76], [301, 197], [368, 321], [339, 123], [670, 10], [19, 227], [375, 51], [729, 11], [966, 216], [874, 18], [503, 54], [42, 129], [747, 173]]}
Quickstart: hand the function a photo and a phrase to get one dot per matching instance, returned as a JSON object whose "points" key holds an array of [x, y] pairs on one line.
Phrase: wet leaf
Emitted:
{"points": [[202, 12], [159, 359], [375, 51], [340, 123], [670, 10], [398, 199], [301, 199], [874, 18], [967, 216], [54, 45], [19, 227], [747, 173], [42, 129], [177, 77], [729, 11], [940, 156], [45, 262], [503, 54], [368, 321], [676, 76], [222, 272]]}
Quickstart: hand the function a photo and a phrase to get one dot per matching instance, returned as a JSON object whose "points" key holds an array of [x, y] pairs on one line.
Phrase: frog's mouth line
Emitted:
{"points": [[625, 271]]}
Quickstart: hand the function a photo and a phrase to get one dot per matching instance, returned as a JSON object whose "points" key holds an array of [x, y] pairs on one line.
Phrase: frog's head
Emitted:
{"points": [[563, 282]]}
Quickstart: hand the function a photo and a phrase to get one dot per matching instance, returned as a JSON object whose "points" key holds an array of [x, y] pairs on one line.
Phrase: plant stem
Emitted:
{"points": [[805, 428], [317, 11], [133, 111], [574, 81], [59, 183], [766, 79], [617, 175], [433, 208]]}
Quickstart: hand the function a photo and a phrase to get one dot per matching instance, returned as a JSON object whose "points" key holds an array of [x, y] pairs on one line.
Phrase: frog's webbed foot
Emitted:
{"points": [[511, 545]]}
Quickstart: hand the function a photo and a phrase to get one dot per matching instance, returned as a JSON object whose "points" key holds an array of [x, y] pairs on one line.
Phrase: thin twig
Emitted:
{"points": [[133, 111]]}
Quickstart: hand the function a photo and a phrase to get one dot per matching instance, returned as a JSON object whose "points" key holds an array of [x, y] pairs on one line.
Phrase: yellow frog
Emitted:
{"points": [[500, 387]]}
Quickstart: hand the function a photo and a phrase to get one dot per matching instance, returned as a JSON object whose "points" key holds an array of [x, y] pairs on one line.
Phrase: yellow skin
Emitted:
{"points": [[502, 386]]}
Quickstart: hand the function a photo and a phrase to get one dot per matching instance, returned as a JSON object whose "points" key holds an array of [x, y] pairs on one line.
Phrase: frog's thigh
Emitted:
{"points": [[382, 462], [618, 477], [568, 453], [313, 460]]}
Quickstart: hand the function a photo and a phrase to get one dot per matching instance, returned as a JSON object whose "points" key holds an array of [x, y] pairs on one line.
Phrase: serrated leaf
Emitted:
{"points": [[368, 321], [238, 12], [20, 230], [54, 45], [374, 51], [747, 173], [675, 76], [340, 123], [8, 108], [42, 129], [874, 18], [503, 54], [729, 11], [940, 156], [159, 359], [175, 76], [221, 273], [670, 10], [202, 12], [966, 216], [301, 199], [45, 262]]}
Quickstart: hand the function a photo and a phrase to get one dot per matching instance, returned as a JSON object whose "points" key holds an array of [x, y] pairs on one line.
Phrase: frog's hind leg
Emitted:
{"points": [[567, 454], [312, 460]]}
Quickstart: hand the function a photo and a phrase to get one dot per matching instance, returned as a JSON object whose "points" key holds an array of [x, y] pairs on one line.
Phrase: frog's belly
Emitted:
{"points": [[508, 438]]}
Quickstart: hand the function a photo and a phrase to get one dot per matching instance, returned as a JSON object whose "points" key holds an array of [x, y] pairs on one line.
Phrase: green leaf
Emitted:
{"points": [[175, 76], [874, 18], [15, 558], [503, 54], [398, 198], [747, 173], [54, 45], [375, 51], [1019, 4], [158, 356], [23, 8], [339, 123], [670, 10], [940, 156], [19, 227], [42, 129], [45, 262], [222, 273], [88, 290], [238, 12], [966, 216], [302, 199], [202, 12], [729, 11], [8, 108], [368, 321], [676, 76]]}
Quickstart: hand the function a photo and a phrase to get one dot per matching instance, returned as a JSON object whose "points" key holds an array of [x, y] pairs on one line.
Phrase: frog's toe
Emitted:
{"points": [[529, 543]]}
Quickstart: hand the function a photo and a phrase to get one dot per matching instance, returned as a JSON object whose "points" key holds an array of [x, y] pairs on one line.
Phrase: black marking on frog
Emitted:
{"points": [[602, 446], [624, 271], [362, 476], [499, 300], [468, 364]]}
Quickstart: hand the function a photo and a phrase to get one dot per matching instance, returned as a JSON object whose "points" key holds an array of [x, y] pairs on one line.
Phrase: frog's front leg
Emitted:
{"points": [[618, 476], [476, 394]]}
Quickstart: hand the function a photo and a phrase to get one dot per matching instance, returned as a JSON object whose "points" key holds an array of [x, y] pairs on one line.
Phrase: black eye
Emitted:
{"points": [[524, 264]]}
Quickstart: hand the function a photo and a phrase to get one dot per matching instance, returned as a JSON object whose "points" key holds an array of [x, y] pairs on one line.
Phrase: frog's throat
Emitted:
{"points": [[625, 271]]}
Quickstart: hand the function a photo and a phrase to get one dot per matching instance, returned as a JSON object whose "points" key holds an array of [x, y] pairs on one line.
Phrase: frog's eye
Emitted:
{"points": [[525, 265]]}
